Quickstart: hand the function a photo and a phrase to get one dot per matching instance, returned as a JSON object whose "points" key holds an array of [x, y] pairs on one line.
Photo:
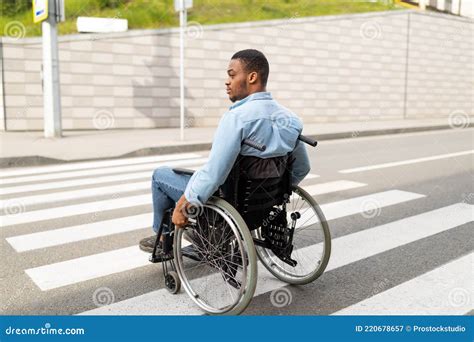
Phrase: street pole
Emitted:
{"points": [[51, 90], [182, 23]]}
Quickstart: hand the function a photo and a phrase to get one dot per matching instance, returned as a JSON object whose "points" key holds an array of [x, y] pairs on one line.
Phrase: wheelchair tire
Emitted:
{"points": [[233, 251], [284, 272], [172, 282]]}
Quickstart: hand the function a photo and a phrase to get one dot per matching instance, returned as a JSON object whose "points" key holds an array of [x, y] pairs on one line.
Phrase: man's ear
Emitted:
{"points": [[252, 77]]}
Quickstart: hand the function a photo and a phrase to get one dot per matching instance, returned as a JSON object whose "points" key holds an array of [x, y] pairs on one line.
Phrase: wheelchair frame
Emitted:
{"points": [[231, 192]]}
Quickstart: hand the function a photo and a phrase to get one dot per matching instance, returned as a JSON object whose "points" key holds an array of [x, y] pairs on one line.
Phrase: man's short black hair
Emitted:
{"points": [[254, 60]]}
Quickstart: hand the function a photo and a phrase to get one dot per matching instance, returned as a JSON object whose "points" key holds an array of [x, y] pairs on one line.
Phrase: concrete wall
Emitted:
{"points": [[377, 66]]}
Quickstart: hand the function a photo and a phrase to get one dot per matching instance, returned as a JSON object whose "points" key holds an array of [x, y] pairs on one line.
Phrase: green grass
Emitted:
{"points": [[160, 13]]}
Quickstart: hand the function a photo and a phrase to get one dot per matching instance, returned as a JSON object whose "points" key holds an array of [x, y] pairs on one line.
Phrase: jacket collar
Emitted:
{"points": [[263, 95]]}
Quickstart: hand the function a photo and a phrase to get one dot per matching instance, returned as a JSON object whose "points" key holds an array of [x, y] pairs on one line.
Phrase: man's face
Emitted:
{"points": [[237, 83]]}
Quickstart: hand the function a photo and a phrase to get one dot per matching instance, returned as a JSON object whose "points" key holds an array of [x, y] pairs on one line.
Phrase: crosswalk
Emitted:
{"points": [[41, 195]]}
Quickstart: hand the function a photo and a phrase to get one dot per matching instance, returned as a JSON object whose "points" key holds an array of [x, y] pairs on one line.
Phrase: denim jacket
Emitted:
{"points": [[257, 117]]}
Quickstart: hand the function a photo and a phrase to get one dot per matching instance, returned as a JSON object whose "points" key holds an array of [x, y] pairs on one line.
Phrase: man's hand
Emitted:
{"points": [[179, 213]]}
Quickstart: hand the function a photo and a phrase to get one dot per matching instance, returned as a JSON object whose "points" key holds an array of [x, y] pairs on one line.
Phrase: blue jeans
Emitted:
{"points": [[166, 188]]}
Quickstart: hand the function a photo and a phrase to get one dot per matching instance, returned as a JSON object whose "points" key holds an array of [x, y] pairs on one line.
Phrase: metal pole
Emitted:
{"points": [[3, 116], [407, 59], [182, 18], [51, 91]]}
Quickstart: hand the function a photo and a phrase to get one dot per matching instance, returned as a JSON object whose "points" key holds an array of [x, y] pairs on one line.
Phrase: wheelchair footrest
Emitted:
{"points": [[161, 257]]}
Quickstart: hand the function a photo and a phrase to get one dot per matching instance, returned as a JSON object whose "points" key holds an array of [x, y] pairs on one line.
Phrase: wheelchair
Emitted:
{"points": [[255, 214]]}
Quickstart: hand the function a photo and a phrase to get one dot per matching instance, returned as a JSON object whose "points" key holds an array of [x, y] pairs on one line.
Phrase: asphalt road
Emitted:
{"points": [[408, 249]]}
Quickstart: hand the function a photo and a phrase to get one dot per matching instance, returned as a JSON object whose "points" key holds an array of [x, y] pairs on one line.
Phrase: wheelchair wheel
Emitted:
{"points": [[216, 259], [172, 282], [311, 241]]}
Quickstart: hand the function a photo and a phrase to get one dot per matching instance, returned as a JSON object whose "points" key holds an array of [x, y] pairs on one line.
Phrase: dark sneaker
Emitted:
{"points": [[148, 243]]}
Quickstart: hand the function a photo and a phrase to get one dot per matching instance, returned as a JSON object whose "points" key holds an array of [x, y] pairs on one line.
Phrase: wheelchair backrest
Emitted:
{"points": [[255, 184]]}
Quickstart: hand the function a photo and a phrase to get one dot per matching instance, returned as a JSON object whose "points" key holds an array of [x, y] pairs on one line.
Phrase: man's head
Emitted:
{"points": [[247, 74]]}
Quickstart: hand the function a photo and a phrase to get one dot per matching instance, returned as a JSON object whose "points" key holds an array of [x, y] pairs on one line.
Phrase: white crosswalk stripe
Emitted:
{"points": [[88, 231], [96, 180], [446, 290], [95, 164], [132, 186], [75, 194], [346, 250], [93, 172], [407, 162], [76, 209], [325, 188], [85, 268], [28, 242], [54, 181]]}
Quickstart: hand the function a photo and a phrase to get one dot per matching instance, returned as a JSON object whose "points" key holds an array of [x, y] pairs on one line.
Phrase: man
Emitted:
{"points": [[254, 115]]}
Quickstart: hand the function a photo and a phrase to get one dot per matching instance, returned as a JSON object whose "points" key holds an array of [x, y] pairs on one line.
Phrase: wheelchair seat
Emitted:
{"points": [[255, 185]]}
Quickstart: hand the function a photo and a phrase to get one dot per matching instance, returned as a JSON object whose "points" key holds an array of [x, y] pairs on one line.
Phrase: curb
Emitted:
{"points": [[11, 162]]}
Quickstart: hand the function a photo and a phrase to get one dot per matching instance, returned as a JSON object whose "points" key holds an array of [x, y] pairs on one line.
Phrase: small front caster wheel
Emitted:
{"points": [[172, 282]]}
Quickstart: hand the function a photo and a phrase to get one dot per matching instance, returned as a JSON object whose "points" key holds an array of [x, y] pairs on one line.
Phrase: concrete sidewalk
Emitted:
{"points": [[30, 148]]}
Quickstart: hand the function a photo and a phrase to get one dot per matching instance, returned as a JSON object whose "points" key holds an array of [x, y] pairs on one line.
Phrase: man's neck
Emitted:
{"points": [[260, 90]]}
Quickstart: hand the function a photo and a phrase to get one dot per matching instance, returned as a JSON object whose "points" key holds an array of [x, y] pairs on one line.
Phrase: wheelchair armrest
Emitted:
{"points": [[182, 171]]}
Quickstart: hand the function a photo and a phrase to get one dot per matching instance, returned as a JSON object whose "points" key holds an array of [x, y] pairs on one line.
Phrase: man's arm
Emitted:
{"points": [[301, 166], [225, 149]]}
